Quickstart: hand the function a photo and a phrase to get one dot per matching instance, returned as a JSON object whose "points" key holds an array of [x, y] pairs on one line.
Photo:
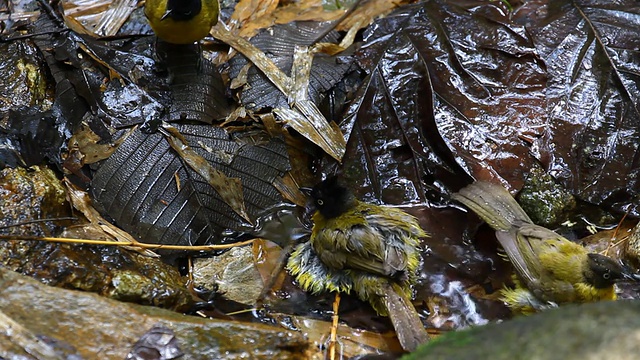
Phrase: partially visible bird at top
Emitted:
{"points": [[181, 21]]}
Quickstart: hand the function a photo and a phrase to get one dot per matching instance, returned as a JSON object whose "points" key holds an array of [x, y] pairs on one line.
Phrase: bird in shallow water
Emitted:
{"points": [[181, 21], [368, 249], [550, 269]]}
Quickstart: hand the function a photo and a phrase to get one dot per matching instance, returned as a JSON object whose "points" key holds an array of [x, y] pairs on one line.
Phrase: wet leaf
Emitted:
{"points": [[89, 144], [351, 341], [448, 85], [229, 189], [233, 274], [197, 90], [295, 98], [98, 17], [279, 44], [592, 134], [149, 190], [98, 226], [251, 16]]}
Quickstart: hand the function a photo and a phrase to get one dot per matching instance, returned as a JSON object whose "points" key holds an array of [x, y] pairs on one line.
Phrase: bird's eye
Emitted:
{"points": [[320, 202], [606, 275]]}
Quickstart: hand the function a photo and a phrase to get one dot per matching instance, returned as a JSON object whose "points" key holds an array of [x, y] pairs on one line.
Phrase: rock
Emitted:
{"points": [[547, 203], [234, 272], [604, 330], [37, 193], [75, 324]]}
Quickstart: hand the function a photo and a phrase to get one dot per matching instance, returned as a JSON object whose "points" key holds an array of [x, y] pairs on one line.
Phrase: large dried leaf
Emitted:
{"points": [[279, 44], [150, 191], [197, 89], [229, 189], [593, 132], [287, 93], [442, 76], [251, 16]]}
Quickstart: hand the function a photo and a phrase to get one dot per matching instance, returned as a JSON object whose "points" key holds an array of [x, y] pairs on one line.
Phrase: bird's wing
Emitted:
{"points": [[358, 246], [521, 255], [366, 249], [399, 235], [349, 242], [376, 242]]}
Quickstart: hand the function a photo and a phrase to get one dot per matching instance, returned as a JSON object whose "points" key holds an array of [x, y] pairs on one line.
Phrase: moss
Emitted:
{"points": [[546, 202]]}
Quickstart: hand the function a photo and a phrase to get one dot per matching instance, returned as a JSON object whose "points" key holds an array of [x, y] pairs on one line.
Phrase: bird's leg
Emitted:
{"points": [[334, 328]]}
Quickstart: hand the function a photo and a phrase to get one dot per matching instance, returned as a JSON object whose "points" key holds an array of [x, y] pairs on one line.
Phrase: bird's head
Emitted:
{"points": [[602, 271], [182, 10], [331, 198]]}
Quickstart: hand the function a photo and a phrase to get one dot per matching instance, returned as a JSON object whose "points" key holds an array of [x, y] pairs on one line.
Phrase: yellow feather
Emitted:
{"points": [[181, 32]]}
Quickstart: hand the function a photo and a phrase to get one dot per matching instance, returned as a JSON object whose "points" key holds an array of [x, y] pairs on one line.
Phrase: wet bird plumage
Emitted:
{"points": [[552, 268], [365, 248]]}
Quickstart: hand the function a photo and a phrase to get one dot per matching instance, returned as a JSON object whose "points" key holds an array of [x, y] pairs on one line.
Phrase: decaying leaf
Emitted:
{"points": [[81, 201], [292, 102], [229, 189], [88, 143], [591, 141], [351, 342], [450, 89], [251, 16], [152, 192], [98, 17]]}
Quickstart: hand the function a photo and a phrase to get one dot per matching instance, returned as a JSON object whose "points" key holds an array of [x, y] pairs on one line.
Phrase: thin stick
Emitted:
{"points": [[334, 327], [128, 243], [34, 221], [615, 234]]}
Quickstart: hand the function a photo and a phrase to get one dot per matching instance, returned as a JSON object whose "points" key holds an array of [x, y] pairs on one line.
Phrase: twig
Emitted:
{"points": [[615, 235], [334, 328], [128, 243]]}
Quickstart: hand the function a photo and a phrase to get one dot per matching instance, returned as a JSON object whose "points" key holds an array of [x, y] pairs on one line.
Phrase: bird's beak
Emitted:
{"points": [[166, 15], [306, 190], [629, 274]]}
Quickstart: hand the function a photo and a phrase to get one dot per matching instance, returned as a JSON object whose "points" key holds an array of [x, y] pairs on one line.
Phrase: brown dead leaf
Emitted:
{"points": [[265, 256], [247, 13], [369, 11], [97, 17], [229, 189], [610, 242], [254, 15], [114, 17], [304, 115], [81, 201], [86, 141], [310, 123]]}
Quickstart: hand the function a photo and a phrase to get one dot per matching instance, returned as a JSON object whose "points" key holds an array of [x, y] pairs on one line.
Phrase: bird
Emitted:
{"points": [[550, 269], [181, 21], [365, 249]]}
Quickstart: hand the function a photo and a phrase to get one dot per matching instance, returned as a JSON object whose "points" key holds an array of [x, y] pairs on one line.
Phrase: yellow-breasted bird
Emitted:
{"points": [[550, 268], [181, 21], [368, 249]]}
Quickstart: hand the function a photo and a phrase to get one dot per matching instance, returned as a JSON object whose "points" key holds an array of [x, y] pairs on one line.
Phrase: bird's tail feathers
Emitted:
{"points": [[493, 203], [405, 319]]}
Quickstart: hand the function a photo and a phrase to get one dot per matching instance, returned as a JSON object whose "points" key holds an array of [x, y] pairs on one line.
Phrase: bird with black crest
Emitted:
{"points": [[365, 249], [551, 270]]}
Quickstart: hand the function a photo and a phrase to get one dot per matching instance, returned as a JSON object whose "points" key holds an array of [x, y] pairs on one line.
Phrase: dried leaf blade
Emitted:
{"points": [[230, 189]]}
